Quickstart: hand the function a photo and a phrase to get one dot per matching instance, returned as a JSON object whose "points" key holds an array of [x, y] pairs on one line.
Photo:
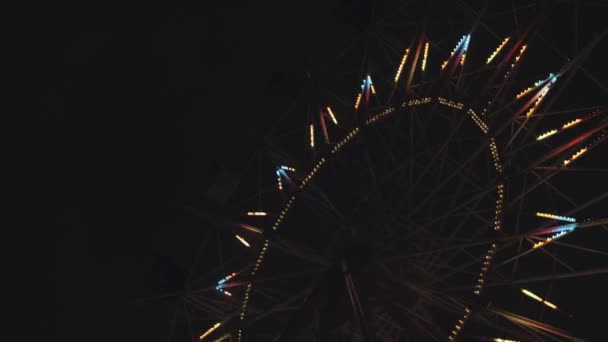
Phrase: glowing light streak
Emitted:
{"points": [[312, 136], [498, 49], [484, 269], [416, 102], [556, 217], [494, 152], [464, 55], [482, 125], [279, 182], [521, 52], [563, 231], [332, 116], [547, 134], [459, 325], [498, 209], [575, 156], [524, 92], [426, 53], [539, 98], [357, 102], [251, 228], [450, 103], [407, 51], [373, 89], [539, 299], [243, 241], [210, 330], [227, 293], [572, 123], [256, 213], [497, 339], [287, 168]]}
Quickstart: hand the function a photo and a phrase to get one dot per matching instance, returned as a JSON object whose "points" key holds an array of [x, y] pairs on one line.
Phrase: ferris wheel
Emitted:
{"points": [[450, 194]]}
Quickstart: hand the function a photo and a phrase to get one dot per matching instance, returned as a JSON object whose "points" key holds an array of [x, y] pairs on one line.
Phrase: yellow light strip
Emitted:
{"points": [[426, 53], [243, 241], [482, 125], [537, 298], [497, 51], [407, 51], [210, 330], [524, 92], [373, 90], [574, 156], [332, 116], [531, 295], [312, 135], [357, 101], [572, 123], [556, 217], [547, 134], [256, 213]]}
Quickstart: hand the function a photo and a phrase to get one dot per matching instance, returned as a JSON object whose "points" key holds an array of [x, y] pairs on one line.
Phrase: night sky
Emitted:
{"points": [[142, 110]]}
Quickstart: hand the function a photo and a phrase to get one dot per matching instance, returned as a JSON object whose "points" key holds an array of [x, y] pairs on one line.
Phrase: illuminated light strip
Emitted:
{"points": [[539, 99], [564, 230], [523, 92], [279, 182], [450, 103], [494, 152], [426, 53], [227, 293], [498, 339], [575, 156], [226, 278], [464, 55], [484, 269], [312, 135], [256, 213], [497, 51], [464, 42], [316, 168], [521, 52], [251, 228], [357, 102], [373, 89], [287, 168], [379, 115], [546, 134], [568, 124], [537, 298], [556, 217], [517, 58], [332, 116], [416, 102], [344, 140], [260, 258], [210, 330], [482, 125], [243, 241], [498, 209], [459, 325], [572, 123], [407, 51]]}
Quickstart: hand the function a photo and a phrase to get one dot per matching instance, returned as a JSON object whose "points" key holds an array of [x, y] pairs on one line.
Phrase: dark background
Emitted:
{"points": [[141, 110]]}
